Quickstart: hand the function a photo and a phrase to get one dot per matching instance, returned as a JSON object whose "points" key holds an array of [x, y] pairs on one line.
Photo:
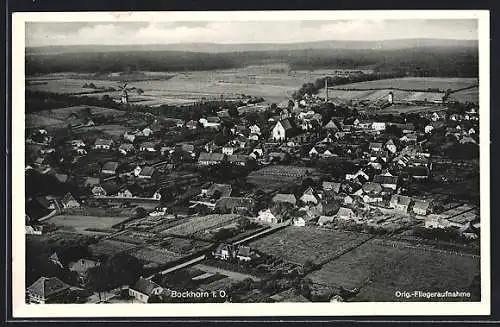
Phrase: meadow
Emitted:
{"points": [[81, 223], [468, 95], [300, 244], [382, 267], [414, 83]]}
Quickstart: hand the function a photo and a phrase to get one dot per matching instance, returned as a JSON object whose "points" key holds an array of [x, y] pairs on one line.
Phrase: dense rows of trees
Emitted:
{"points": [[416, 62]]}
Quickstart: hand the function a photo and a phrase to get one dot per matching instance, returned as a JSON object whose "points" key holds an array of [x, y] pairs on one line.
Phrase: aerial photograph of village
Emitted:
{"points": [[252, 162]]}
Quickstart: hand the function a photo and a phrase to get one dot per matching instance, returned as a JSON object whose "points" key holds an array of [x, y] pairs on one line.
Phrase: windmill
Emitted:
{"points": [[124, 93]]}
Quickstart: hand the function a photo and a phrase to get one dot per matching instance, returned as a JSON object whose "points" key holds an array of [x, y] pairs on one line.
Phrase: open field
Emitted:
{"points": [[200, 223], [155, 255], [272, 82], [114, 131], [413, 83], [65, 113], [374, 95], [469, 95], [57, 118], [39, 120], [299, 244], [81, 223], [381, 268], [110, 247], [407, 109]]}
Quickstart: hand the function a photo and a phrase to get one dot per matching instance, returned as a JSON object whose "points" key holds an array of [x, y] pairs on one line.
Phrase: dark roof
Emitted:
{"points": [[244, 251], [103, 142], [374, 188], [281, 197], [91, 181], [287, 124], [213, 119], [147, 171], [147, 145], [375, 145], [401, 199], [145, 286], [234, 202], [68, 197], [331, 185], [82, 265], [421, 204], [417, 171], [45, 287], [63, 178], [126, 146], [110, 187], [384, 179], [205, 156], [110, 165], [224, 189], [238, 158]]}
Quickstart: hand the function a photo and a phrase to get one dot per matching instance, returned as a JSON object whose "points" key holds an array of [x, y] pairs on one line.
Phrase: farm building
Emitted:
{"points": [[422, 207], [400, 203], [47, 290], [109, 168], [144, 288], [386, 180], [283, 130], [323, 220], [346, 214], [274, 215], [126, 148], [378, 126], [224, 252], [147, 147], [375, 146], [103, 144], [331, 186], [147, 172], [309, 196], [219, 190], [238, 159], [68, 201], [234, 205], [208, 159], [285, 198]]}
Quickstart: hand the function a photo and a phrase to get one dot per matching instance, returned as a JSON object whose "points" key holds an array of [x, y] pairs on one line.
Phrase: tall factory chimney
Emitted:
{"points": [[326, 89]]}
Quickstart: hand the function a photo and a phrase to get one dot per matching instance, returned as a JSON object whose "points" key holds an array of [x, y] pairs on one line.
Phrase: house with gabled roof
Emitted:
{"points": [[422, 207], [375, 146], [143, 289], [103, 144], [391, 146], [285, 198], [309, 196], [126, 148], [109, 168], [238, 159], [69, 202], [47, 290], [147, 172], [244, 253], [231, 204], [208, 159], [400, 203], [223, 190], [283, 130], [386, 180], [331, 186], [345, 214]]}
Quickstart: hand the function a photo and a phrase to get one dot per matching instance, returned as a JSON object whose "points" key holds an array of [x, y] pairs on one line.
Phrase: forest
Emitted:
{"points": [[422, 61]]}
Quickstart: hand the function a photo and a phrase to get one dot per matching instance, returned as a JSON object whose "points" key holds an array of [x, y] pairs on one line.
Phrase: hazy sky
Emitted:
{"points": [[113, 33]]}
